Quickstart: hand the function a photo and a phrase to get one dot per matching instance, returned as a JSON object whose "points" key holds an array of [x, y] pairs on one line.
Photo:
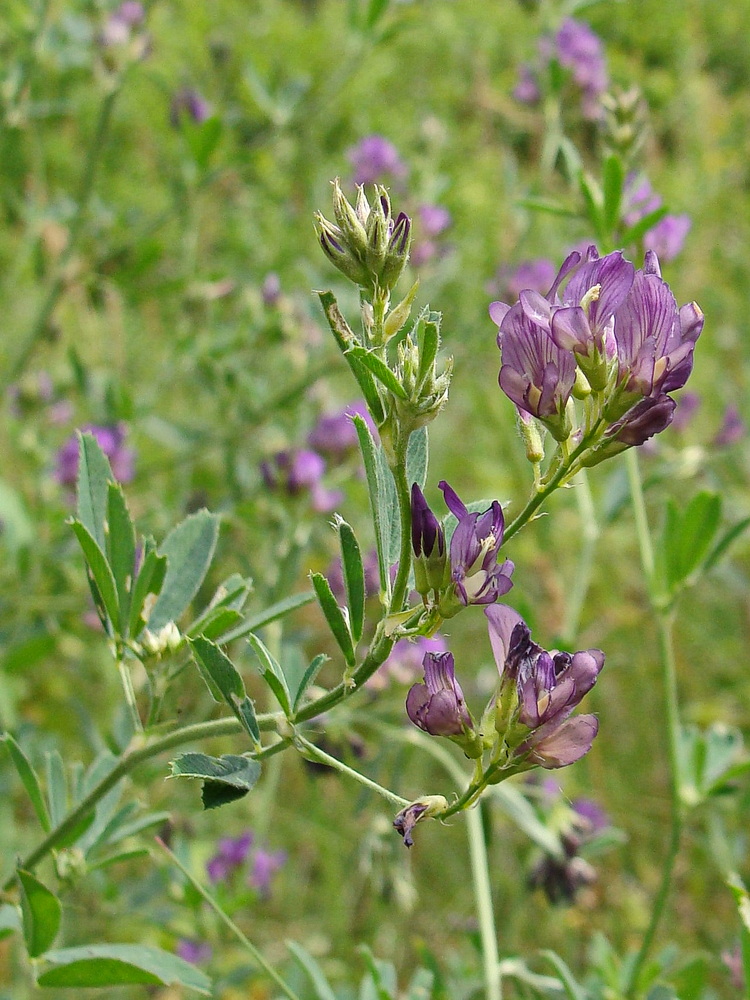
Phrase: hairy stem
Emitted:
{"points": [[309, 750], [582, 579]]}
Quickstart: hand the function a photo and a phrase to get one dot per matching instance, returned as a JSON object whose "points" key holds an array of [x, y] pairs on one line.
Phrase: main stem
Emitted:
{"points": [[481, 875], [665, 621]]}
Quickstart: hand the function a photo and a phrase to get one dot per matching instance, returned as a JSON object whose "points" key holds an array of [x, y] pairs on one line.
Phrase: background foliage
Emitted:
{"points": [[158, 319]]}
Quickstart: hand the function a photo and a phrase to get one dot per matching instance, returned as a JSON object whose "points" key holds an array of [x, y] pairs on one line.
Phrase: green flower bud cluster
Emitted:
{"points": [[366, 243], [425, 387]]}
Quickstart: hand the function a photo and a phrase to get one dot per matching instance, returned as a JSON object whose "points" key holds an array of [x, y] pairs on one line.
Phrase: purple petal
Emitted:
{"points": [[452, 500], [501, 620], [567, 743]]}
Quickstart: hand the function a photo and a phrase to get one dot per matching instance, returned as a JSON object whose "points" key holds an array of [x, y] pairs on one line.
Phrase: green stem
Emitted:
{"points": [[641, 520], [256, 955], [310, 750], [480, 871], [85, 189], [131, 759], [582, 579], [665, 622], [130, 699]]}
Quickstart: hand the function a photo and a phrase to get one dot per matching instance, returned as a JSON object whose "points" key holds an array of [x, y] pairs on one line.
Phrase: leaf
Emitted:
{"points": [[371, 463], [725, 541], [613, 179], [688, 537], [573, 989], [278, 610], [149, 581], [94, 475], [354, 578], [57, 788], [417, 458], [29, 780], [100, 574], [334, 615], [379, 369], [272, 673], [226, 778], [119, 965], [322, 988], [428, 338], [517, 807], [189, 549], [120, 550], [308, 677], [40, 911], [639, 229], [225, 605], [217, 668]]}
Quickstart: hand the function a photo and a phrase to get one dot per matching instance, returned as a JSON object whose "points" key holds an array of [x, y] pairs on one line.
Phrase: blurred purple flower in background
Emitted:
{"points": [[535, 274], [580, 50], [374, 158], [118, 28], [264, 865], [189, 102], [667, 236], [527, 90], [335, 434], [435, 220], [405, 661], [271, 289], [732, 429], [231, 854], [111, 439], [194, 952], [294, 471], [687, 407]]}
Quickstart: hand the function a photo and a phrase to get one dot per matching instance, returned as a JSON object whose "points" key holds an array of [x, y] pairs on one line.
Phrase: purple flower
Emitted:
{"points": [[655, 339], [111, 440], [732, 429], [437, 707], [405, 661], [547, 687], [477, 577], [335, 433], [373, 158], [428, 545], [265, 865], [118, 29], [190, 103], [194, 952], [231, 854]]}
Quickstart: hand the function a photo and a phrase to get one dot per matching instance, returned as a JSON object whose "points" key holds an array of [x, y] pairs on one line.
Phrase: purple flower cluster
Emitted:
{"points": [[547, 688], [621, 327], [111, 439], [577, 49], [467, 572], [667, 237], [234, 853], [537, 694]]}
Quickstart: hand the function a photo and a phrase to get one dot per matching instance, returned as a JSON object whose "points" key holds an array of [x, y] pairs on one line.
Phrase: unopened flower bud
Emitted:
{"points": [[424, 808]]}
